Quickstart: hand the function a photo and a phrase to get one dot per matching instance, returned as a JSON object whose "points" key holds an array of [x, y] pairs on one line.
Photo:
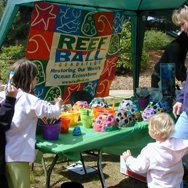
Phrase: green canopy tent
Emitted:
{"points": [[136, 9]]}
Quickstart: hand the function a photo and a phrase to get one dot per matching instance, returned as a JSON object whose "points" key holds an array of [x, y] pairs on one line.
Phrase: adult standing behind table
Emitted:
{"points": [[20, 147], [180, 18], [175, 52]]}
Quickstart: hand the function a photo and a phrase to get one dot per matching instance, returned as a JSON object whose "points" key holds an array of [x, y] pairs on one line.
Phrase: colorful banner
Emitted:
{"points": [[74, 49]]}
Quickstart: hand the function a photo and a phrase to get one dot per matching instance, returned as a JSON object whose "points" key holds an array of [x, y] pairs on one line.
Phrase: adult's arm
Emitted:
{"points": [[6, 113]]}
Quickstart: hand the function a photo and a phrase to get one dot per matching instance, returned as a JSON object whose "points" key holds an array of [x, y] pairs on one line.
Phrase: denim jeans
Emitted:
{"points": [[181, 127]]}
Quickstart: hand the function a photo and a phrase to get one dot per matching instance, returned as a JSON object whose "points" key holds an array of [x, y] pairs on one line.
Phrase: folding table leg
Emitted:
{"points": [[83, 164], [99, 166], [48, 169]]}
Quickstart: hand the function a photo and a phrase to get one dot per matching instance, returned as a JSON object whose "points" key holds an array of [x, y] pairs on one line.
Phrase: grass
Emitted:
{"points": [[60, 174]]}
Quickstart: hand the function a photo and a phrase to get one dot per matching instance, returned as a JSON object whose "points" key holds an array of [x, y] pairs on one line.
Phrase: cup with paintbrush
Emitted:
{"points": [[51, 128]]}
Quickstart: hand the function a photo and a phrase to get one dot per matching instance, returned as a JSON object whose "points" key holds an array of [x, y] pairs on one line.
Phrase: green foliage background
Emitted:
{"points": [[124, 64], [156, 40], [6, 55], [153, 40]]}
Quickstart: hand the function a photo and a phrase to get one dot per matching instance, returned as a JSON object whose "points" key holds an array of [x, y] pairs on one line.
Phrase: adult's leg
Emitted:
{"points": [[181, 127], [3, 181], [155, 78]]}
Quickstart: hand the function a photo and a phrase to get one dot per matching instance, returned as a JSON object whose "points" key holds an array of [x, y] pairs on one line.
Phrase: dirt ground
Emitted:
{"points": [[110, 168]]}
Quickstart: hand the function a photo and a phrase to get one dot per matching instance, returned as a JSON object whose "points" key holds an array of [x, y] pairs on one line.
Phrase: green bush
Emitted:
{"points": [[155, 40], [13, 52], [124, 64], [6, 55], [125, 51]]}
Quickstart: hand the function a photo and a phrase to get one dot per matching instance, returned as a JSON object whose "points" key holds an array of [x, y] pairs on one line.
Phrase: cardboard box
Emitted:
{"points": [[128, 172]]}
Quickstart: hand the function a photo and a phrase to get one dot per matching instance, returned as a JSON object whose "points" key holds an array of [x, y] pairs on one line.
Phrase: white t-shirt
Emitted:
{"points": [[21, 136]]}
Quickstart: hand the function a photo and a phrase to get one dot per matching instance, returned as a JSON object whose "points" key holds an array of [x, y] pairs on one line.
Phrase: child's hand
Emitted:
{"points": [[65, 108], [11, 91], [59, 101], [126, 154]]}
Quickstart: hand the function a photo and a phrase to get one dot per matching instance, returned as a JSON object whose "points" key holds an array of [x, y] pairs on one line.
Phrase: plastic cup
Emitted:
{"points": [[72, 115], [87, 122], [86, 117], [99, 110], [143, 101], [65, 124]]}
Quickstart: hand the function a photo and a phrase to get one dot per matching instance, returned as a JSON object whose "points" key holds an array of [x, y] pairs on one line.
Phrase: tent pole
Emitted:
{"points": [[137, 38], [5, 24]]}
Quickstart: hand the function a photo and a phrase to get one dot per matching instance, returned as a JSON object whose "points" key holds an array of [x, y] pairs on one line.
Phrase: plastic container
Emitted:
{"points": [[72, 115], [65, 124], [87, 118], [143, 101], [99, 110], [51, 131]]}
